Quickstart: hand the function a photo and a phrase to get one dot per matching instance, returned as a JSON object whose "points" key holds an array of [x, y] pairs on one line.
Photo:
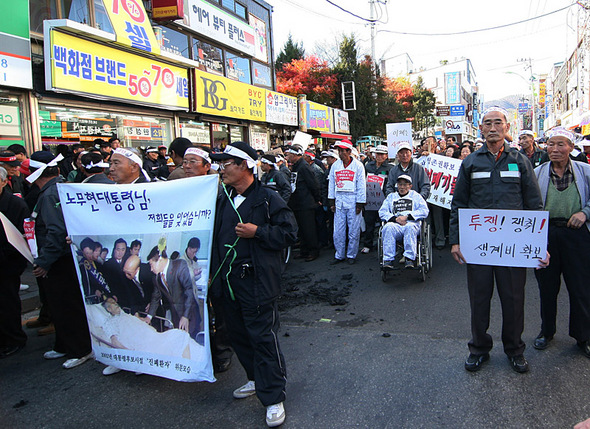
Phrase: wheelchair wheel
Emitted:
{"points": [[423, 271]]}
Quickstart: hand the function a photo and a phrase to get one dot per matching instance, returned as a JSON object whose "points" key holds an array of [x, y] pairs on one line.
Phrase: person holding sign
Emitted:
{"points": [[347, 195], [402, 210], [495, 176], [565, 188]]}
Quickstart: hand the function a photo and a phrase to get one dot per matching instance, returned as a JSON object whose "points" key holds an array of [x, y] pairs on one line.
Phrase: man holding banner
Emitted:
{"points": [[496, 176]]}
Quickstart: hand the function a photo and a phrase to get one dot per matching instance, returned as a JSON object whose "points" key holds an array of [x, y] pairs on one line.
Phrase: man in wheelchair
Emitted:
{"points": [[402, 211]]}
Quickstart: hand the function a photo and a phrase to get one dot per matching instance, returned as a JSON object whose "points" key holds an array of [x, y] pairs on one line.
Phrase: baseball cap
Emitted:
{"points": [[404, 177], [9, 158], [405, 145], [344, 144]]}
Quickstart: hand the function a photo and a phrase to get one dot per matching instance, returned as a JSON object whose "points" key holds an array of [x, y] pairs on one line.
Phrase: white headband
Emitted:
{"points": [[238, 153], [266, 161], [296, 151], [41, 167], [199, 152], [100, 164], [151, 150], [129, 155], [495, 109], [526, 133], [561, 132]]}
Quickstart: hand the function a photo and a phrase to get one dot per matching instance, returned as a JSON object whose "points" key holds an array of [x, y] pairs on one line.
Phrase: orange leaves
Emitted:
{"points": [[310, 76]]}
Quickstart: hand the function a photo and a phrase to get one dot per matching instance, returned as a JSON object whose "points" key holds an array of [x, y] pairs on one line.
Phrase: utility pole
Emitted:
{"points": [[529, 66], [372, 24]]}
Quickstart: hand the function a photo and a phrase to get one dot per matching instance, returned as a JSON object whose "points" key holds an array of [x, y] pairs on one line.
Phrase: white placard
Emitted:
{"points": [[16, 238], [398, 133], [302, 139], [259, 140], [281, 109], [158, 216], [442, 172], [341, 122], [508, 238]]}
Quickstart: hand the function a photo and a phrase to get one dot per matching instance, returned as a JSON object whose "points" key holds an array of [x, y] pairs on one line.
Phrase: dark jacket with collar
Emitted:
{"points": [[277, 229], [275, 180], [307, 192], [539, 157], [485, 183], [420, 180], [99, 178]]}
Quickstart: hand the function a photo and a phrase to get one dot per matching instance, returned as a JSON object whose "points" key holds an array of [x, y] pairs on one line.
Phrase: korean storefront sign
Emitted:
{"points": [[316, 116], [220, 96], [281, 109], [15, 45], [9, 121], [453, 88], [88, 68], [206, 19], [341, 123], [131, 24]]}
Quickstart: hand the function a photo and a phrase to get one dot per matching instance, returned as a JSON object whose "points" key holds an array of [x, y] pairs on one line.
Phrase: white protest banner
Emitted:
{"points": [[507, 238], [302, 139], [16, 238], [146, 311], [375, 195], [397, 133], [442, 172]]}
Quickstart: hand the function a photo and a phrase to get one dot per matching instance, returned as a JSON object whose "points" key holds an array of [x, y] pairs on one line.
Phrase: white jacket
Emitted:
{"points": [[412, 205], [347, 185]]}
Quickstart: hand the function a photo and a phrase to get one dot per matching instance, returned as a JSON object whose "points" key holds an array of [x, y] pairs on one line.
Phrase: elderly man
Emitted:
{"points": [[12, 265], [402, 210], [565, 188], [252, 225], [347, 195], [54, 266], [406, 165], [494, 177], [126, 167], [380, 167], [196, 162], [11, 164], [536, 156], [273, 178]]}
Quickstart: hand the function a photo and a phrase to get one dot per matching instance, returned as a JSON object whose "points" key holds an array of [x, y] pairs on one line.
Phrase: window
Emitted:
{"points": [[234, 7], [172, 41], [240, 10], [100, 16], [237, 68], [196, 132], [75, 10]]}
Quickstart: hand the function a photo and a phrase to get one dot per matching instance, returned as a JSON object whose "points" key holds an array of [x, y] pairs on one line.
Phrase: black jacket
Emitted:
{"points": [[275, 180], [99, 178], [277, 229], [307, 193]]}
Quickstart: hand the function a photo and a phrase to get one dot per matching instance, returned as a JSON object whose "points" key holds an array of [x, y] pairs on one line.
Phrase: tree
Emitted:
{"points": [[310, 76], [423, 107], [291, 51]]}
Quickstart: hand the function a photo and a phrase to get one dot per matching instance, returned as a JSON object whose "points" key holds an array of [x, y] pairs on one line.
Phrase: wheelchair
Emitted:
{"points": [[423, 261]]}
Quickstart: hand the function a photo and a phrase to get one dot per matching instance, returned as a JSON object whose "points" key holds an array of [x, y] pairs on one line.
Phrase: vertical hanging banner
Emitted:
{"points": [[146, 300]]}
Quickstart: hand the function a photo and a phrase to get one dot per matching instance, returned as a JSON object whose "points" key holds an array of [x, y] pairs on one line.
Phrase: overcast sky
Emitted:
{"points": [[545, 40]]}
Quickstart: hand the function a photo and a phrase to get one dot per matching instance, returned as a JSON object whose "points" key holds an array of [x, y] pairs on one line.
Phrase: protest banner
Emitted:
{"points": [[397, 133], [375, 195], [146, 304], [15, 238], [442, 172], [507, 238]]}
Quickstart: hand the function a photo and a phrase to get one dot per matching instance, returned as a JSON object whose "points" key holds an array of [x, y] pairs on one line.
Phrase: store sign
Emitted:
{"points": [[195, 135], [261, 75], [317, 117], [137, 130], [9, 121], [167, 10], [443, 110], [542, 92], [458, 110], [91, 69], [281, 109], [220, 96], [341, 123], [453, 125], [15, 45], [453, 88], [258, 140], [259, 38], [132, 25], [90, 128], [206, 19]]}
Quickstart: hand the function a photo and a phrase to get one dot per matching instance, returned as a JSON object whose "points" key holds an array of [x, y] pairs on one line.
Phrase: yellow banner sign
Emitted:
{"points": [[131, 24], [90, 68], [220, 96]]}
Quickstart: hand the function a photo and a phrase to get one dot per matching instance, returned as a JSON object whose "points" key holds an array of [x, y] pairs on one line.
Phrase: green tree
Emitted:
{"points": [[291, 51], [423, 108]]}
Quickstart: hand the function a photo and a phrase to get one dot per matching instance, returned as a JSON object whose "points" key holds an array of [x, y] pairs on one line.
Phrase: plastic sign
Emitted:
{"points": [[15, 45], [131, 24]]}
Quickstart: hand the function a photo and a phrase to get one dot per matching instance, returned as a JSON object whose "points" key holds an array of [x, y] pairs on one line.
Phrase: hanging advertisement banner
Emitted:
{"points": [[281, 109], [453, 88], [260, 43], [147, 313], [87, 68], [318, 117]]}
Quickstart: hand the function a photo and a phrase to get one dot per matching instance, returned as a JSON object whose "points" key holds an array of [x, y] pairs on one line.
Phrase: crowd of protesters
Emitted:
{"points": [[315, 198]]}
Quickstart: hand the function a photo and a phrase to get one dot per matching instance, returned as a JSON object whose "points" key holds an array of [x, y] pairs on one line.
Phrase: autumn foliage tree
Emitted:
{"points": [[310, 76]]}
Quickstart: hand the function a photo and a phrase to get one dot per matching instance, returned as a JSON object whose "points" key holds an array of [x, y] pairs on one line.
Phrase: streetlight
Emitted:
{"points": [[533, 102]]}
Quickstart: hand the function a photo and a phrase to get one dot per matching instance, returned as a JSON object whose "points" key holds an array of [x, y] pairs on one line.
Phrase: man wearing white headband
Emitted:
{"points": [[252, 226], [272, 177], [494, 177], [565, 188], [196, 162], [536, 156], [126, 167], [93, 167], [54, 266]]}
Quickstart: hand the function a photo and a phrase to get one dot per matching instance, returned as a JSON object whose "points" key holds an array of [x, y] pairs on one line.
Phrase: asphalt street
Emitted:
{"points": [[359, 353]]}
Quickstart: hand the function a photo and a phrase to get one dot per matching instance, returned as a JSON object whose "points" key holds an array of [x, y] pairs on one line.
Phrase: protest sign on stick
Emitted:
{"points": [[442, 172], [398, 133]]}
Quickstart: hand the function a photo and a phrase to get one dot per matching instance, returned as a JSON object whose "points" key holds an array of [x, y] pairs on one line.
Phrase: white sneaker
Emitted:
{"points": [[365, 250], [275, 415], [52, 354], [24, 287], [110, 370], [73, 363], [246, 390]]}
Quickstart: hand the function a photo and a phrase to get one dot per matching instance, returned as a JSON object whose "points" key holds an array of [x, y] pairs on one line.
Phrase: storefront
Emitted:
{"points": [[326, 124]]}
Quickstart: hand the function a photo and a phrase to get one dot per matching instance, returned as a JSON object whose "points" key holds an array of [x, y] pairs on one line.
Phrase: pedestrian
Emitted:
{"points": [[127, 167], [528, 147], [347, 195], [252, 227], [273, 178], [494, 177], [176, 151], [565, 189], [406, 165], [15, 182]]}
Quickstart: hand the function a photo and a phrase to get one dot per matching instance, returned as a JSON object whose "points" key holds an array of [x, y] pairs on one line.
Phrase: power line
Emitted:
{"points": [[297, 5], [354, 14], [479, 30]]}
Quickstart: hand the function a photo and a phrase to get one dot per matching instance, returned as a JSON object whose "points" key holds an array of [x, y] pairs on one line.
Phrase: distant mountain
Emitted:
{"points": [[509, 102]]}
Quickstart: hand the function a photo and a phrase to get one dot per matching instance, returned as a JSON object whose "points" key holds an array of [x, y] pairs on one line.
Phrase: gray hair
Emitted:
{"points": [[3, 173]]}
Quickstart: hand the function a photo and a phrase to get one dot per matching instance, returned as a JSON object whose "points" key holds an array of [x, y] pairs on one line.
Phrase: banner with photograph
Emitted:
{"points": [[442, 172], [143, 265]]}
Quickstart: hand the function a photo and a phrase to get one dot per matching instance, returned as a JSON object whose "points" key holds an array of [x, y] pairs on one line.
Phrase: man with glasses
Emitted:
{"points": [[494, 177], [196, 162]]}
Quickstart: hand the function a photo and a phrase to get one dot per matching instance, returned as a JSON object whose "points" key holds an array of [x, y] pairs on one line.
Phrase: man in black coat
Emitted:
{"points": [[93, 167]]}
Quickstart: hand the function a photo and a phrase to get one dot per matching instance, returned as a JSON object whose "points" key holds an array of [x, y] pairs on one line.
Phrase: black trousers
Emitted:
{"points": [[307, 232], [67, 308], [218, 332], [11, 331], [510, 282], [569, 249], [371, 217], [253, 332]]}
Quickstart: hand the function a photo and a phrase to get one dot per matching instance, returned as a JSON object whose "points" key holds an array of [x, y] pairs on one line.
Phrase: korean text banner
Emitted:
{"points": [[281, 108], [442, 172], [89, 68], [132, 25], [507, 238], [397, 133], [318, 117], [146, 307], [220, 96]]}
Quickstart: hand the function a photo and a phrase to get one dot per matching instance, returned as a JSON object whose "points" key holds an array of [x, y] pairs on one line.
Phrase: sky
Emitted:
{"points": [[494, 54]]}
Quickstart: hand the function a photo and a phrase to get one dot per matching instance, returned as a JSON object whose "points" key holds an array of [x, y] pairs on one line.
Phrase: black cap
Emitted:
{"points": [[243, 146]]}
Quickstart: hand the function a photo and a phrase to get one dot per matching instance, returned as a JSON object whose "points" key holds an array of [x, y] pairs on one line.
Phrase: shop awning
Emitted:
{"points": [[335, 136]]}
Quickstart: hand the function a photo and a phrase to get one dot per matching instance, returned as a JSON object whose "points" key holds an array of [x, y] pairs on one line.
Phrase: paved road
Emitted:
{"points": [[360, 353]]}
